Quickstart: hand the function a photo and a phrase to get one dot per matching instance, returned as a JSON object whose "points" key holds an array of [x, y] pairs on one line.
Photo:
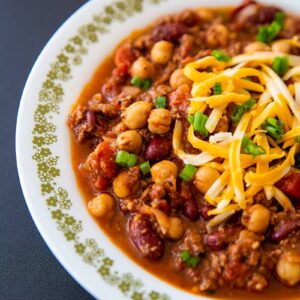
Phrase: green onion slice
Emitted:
{"points": [[250, 147], [220, 55], [199, 123], [161, 102], [122, 158], [187, 172], [274, 128], [145, 84], [280, 65], [190, 260], [125, 159], [132, 160], [279, 18], [267, 34], [239, 110], [145, 167], [217, 88], [190, 119]]}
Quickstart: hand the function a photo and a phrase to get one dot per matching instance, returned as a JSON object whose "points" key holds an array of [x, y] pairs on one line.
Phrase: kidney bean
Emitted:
{"points": [[203, 210], [190, 210], [290, 185], [219, 239], [144, 237], [216, 241], [168, 32], [265, 14], [91, 119], [189, 205], [250, 13], [241, 7], [281, 231], [157, 149]]}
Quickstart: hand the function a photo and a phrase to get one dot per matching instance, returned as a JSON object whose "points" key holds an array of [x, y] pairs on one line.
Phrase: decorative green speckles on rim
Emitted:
{"points": [[44, 135]]}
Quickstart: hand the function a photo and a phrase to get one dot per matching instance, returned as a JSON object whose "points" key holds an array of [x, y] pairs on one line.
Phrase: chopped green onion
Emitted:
{"points": [[217, 88], [136, 81], [126, 159], [142, 83], [279, 18], [297, 160], [161, 102], [132, 160], [190, 260], [190, 119], [146, 84], [267, 34], [274, 128], [220, 55], [145, 167], [239, 110], [250, 147], [280, 65], [188, 172], [199, 123], [297, 139], [122, 158]]}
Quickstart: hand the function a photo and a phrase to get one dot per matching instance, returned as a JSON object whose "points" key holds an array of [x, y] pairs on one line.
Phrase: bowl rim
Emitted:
{"points": [[50, 46]]}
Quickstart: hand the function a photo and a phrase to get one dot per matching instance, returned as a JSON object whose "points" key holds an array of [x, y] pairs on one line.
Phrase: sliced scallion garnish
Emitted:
{"points": [[274, 128], [145, 167], [187, 172], [250, 147]]}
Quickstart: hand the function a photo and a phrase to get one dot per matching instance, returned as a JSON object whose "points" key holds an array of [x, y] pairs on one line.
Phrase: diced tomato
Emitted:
{"points": [[178, 99], [125, 55], [102, 165]]}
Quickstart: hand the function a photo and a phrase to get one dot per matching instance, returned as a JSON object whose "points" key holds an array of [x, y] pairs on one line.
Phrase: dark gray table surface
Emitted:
{"points": [[28, 270]]}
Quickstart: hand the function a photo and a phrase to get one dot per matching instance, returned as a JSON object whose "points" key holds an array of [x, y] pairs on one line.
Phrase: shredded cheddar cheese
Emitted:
{"points": [[243, 175]]}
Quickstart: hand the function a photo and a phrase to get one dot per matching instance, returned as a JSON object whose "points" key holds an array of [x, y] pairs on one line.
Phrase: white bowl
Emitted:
{"points": [[43, 147]]}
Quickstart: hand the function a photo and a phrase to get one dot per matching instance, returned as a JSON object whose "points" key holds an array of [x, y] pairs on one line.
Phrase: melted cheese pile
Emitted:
{"points": [[243, 175]]}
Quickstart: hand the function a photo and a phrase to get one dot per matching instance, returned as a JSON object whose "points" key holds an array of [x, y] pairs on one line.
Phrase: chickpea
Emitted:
{"points": [[101, 206], [136, 115], [256, 218], [119, 128], [288, 268], [142, 68], [256, 46], [122, 187], [205, 177], [205, 14], [163, 170], [247, 237], [130, 141], [176, 229], [159, 121], [282, 46], [178, 78], [217, 34], [161, 52]]}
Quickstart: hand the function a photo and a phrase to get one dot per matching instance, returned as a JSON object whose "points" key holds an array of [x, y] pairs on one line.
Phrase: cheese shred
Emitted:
{"points": [[243, 174]]}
